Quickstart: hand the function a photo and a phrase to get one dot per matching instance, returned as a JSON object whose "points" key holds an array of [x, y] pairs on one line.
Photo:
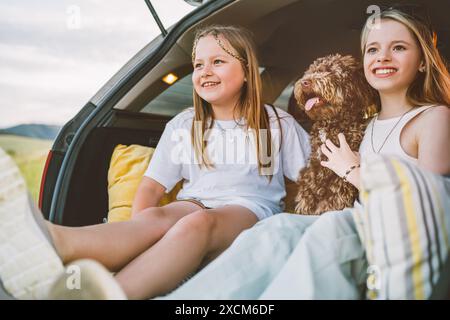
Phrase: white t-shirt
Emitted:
{"points": [[235, 178]]}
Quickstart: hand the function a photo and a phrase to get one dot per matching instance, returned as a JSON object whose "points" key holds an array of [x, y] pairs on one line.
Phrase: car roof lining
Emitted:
{"points": [[276, 24], [178, 58]]}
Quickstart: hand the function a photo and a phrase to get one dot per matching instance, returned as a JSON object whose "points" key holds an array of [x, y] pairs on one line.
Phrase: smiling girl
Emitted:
{"points": [[235, 177], [402, 63]]}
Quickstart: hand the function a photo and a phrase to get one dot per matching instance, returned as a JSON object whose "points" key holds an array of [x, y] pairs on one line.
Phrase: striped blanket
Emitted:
{"points": [[404, 225]]}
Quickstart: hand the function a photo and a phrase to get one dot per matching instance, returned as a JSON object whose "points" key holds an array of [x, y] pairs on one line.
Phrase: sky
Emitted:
{"points": [[56, 54]]}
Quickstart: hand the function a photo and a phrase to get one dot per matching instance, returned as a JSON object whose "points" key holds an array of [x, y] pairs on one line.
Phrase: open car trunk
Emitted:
{"points": [[135, 105], [87, 201]]}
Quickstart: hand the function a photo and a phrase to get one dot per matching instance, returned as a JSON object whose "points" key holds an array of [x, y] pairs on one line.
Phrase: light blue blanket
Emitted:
{"points": [[286, 257]]}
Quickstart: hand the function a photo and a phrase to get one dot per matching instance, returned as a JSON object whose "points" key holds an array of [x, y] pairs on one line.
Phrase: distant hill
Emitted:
{"points": [[38, 131]]}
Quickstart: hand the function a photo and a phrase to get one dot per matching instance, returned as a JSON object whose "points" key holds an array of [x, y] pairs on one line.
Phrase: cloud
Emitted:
{"points": [[55, 55]]}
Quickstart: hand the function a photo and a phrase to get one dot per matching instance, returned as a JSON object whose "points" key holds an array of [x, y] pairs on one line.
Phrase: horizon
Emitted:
{"points": [[32, 124]]}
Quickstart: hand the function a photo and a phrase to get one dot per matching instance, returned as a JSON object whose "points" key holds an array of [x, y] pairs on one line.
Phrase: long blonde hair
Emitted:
{"points": [[249, 106], [431, 87]]}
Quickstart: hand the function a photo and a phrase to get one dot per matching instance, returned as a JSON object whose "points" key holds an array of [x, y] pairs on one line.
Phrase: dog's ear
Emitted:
{"points": [[298, 91], [298, 113], [367, 96], [356, 87]]}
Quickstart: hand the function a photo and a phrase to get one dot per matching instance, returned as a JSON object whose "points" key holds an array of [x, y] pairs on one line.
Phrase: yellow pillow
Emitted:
{"points": [[127, 167]]}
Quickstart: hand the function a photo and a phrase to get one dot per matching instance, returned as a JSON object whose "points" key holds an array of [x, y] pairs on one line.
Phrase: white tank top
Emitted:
{"points": [[381, 129]]}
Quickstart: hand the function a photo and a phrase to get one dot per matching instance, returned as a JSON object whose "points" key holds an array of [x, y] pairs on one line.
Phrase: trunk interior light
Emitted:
{"points": [[170, 78]]}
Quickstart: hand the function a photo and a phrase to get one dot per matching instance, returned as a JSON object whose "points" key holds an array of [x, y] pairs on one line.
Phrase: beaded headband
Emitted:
{"points": [[216, 37]]}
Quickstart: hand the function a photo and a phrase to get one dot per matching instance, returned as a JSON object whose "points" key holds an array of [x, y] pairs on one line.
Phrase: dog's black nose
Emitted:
{"points": [[306, 83]]}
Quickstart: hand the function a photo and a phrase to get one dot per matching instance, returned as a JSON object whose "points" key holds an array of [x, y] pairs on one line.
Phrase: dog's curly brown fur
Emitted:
{"points": [[344, 98]]}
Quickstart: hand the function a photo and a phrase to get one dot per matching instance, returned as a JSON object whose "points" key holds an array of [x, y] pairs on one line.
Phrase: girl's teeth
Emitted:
{"points": [[384, 71], [209, 84]]}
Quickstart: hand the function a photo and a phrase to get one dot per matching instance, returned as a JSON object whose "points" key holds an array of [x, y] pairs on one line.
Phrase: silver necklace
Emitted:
{"points": [[223, 131], [373, 125]]}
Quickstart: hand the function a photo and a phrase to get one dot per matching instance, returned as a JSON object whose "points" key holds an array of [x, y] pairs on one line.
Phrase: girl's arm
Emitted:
{"points": [[433, 140], [148, 194]]}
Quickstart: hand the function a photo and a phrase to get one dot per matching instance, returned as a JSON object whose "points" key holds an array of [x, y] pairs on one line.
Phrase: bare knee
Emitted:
{"points": [[199, 224], [154, 217]]}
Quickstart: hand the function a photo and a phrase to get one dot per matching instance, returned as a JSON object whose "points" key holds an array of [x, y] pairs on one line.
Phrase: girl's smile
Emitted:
{"points": [[384, 72], [210, 84]]}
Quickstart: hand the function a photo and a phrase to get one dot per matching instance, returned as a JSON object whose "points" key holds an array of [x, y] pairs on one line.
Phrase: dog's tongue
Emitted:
{"points": [[310, 103]]}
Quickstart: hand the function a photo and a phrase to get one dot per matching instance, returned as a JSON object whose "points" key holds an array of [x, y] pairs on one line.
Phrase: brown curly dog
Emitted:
{"points": [[335, 95]]}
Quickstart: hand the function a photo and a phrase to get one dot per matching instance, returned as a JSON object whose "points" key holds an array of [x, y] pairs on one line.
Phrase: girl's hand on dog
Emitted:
{"points": [[341, 159]]}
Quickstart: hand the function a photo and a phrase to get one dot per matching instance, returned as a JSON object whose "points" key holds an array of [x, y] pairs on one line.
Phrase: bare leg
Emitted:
{"points": [[116, 244], [201, 236]]}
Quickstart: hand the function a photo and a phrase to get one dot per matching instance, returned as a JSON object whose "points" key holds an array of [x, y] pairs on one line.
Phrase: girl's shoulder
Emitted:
{"points": [[434, 116], [435, 119], [275, 112], [182, 119], [439, 110]]}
